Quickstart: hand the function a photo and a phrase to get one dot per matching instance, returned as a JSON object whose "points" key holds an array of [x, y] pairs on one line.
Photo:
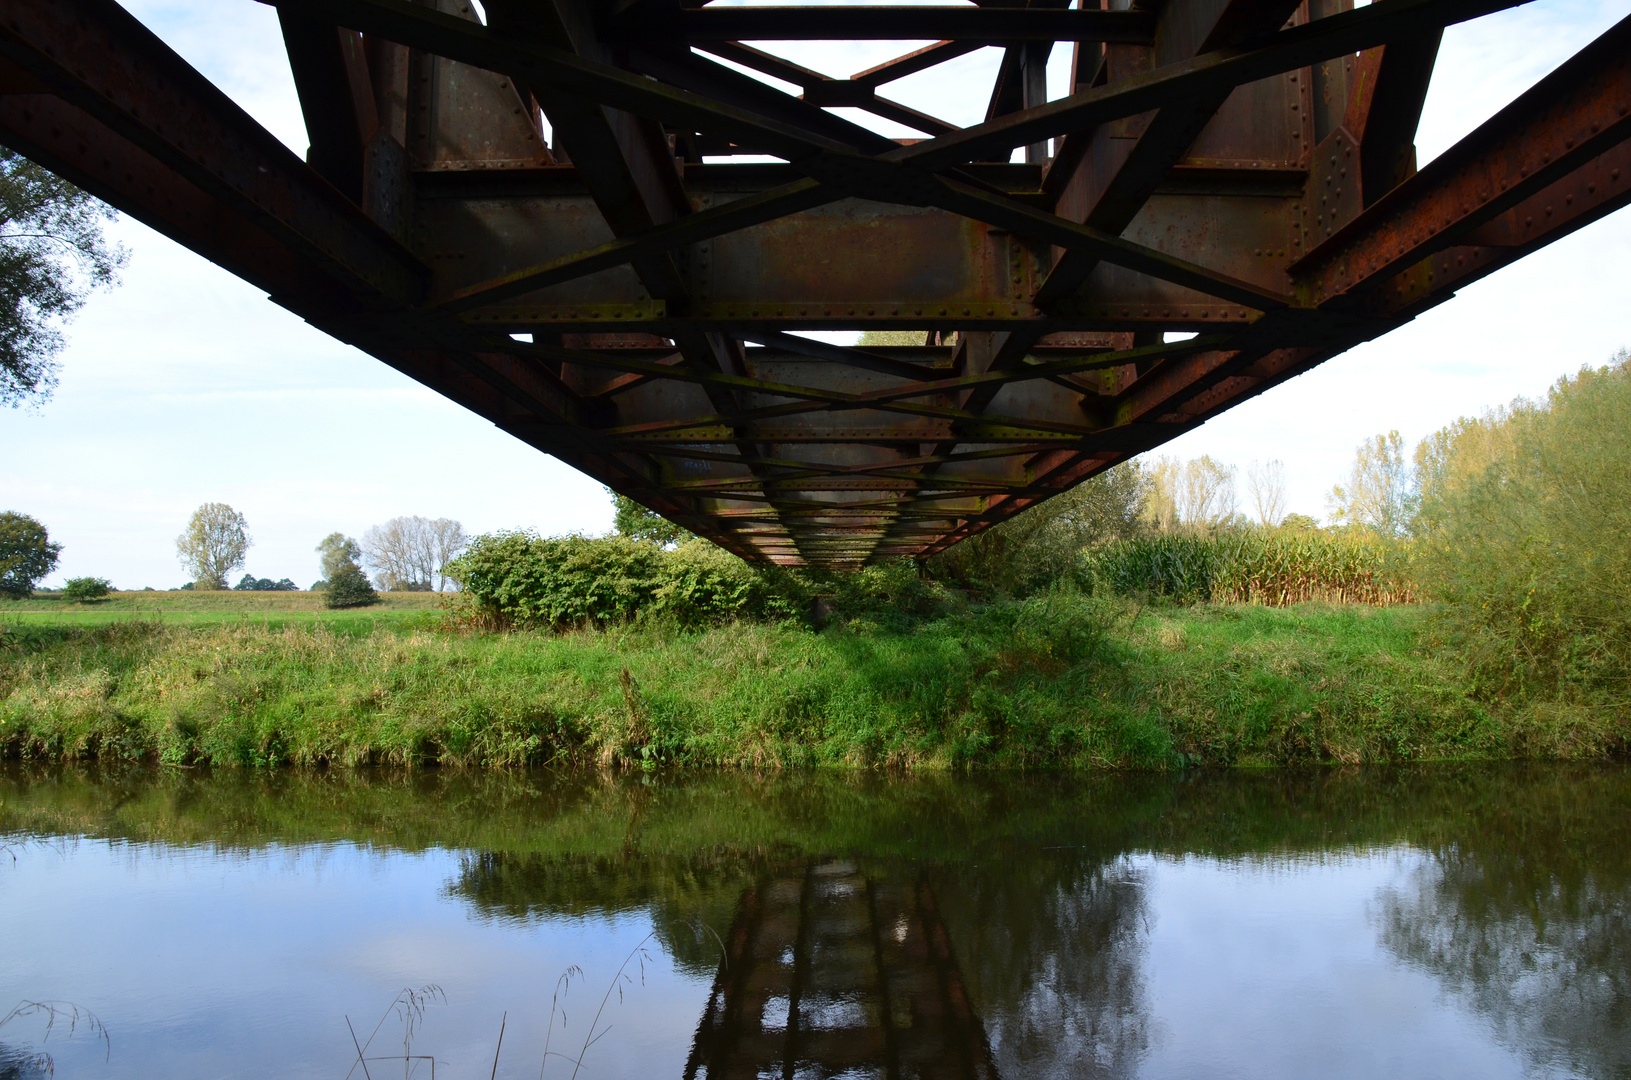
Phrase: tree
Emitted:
{"points": [[251, 583], [412, 553], [1039, 546], [26, 554], [336, 550], [348, 587], [1457, 455], [52, 256], [1206, 493], [344, 583], [81, 590], [1161, 507], [447, 542], [1379, 493], [213, 545], [1267, 483], [636, 522]]}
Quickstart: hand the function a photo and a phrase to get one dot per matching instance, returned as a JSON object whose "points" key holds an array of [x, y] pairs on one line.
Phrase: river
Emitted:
{"points": [[1433, 921]]}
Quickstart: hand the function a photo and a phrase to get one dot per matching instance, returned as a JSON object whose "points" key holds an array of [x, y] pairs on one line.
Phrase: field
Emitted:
{"points": [[186, 607], [1058, 681]]}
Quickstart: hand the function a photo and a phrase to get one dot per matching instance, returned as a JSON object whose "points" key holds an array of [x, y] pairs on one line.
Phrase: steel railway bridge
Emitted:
{"points": [[582, 220]]}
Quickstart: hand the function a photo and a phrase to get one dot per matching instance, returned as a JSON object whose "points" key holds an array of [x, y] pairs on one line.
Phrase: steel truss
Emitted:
{"points": [[531, 208]]}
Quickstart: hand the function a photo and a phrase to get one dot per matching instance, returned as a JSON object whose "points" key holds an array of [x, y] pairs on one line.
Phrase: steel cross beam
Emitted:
{"points": [[541, 209]]}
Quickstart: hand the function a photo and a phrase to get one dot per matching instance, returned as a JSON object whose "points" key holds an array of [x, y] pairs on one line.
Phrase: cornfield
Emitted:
{"points": [[1254, 568]]}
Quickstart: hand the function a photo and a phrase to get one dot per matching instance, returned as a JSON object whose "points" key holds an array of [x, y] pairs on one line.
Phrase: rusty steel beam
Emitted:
{"points": [[630, 297], [856, 23]]}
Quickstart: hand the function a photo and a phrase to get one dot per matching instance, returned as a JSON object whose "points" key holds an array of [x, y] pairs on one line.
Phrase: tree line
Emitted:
{"points": [[408, 554]]}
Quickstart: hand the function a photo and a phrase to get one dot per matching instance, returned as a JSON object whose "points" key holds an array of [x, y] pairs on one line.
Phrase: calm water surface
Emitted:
{"points": [[1430, 922]]}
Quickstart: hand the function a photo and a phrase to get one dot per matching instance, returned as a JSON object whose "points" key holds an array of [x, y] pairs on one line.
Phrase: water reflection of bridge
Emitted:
{"points": [[830, 973]]}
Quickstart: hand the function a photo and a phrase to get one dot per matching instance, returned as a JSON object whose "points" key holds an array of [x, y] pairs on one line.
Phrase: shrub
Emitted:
{"points": [[521, 579], [1038, 547], [1527, 514], [348, 587], [79, 590], [893, 595]]}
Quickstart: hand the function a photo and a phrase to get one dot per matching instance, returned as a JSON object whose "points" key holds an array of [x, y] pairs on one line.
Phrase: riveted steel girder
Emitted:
{"points": [[543, 209]]}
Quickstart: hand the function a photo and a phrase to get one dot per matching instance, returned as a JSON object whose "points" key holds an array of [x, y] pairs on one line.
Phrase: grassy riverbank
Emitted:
{"points": [[1060, 681]]}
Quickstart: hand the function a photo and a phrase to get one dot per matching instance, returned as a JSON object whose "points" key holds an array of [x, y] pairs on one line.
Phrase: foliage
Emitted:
{"points": [[1266, 483], [894, 595], [348, 587], [1161, 502], [52, 255], [875, 338], [335, 550], [1526, 514], [1254, 567], [344, 585], [78, 590], [1380, 492], [1194, 496], [251, 583], [522, 579], [1459, 454], [634, 521], [26, 554], [1206, 493], [412, 553], [1040, 545], [213, 545]]}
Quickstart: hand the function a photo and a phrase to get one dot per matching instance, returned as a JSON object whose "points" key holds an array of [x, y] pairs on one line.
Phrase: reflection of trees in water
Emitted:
{"points": [[1525, 909], [689, 900], [1051, 949], [1053, 955], [1526, 915]]}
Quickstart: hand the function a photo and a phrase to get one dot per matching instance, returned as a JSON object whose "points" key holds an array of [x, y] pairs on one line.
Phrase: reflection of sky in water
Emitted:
{"points": [[1274, 969], [208, 964]]}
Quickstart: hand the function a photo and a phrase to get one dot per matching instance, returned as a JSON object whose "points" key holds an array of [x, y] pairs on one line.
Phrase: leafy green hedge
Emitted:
{"points": [[520, 579], [523, 580], [1275, 569]]}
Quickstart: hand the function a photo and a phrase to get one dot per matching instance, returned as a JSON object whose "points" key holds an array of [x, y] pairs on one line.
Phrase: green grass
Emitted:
{"points": [[49, 609], [1061, 681]]}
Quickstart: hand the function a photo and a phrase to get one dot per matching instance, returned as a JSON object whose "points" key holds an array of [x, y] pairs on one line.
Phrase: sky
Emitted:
{"points": [[184, 385]]}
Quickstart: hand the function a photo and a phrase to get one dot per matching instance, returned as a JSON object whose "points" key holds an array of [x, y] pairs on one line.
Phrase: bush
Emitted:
{"points": [[79, 590], [520, 579], [1526, 518], [1275, 569], [348, 587], [894, 595], [1039, 547]]}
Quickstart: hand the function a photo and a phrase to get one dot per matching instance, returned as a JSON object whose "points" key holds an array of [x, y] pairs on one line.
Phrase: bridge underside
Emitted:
{"points": [[582, 220]]}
